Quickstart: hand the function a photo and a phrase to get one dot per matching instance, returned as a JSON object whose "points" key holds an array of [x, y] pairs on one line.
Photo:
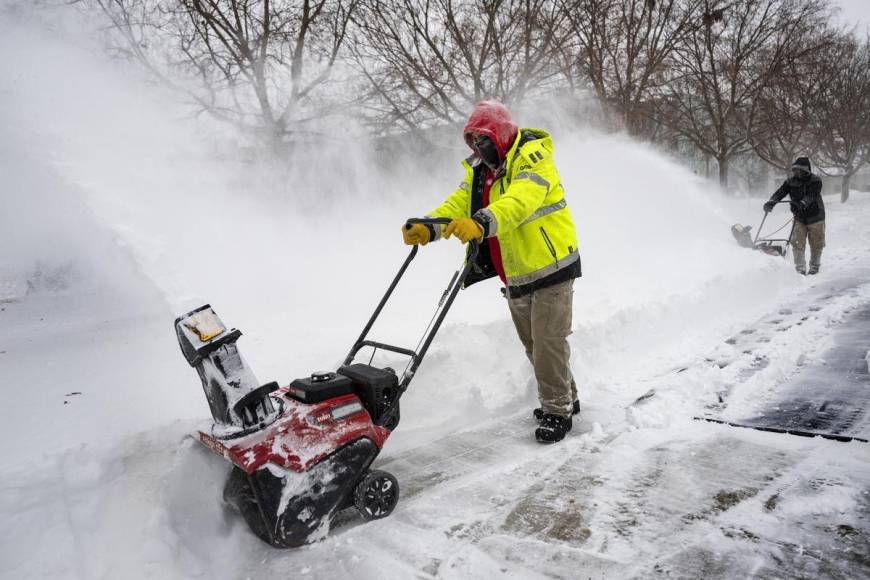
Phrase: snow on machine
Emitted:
{"points": [[768, 244], [302, 453]]}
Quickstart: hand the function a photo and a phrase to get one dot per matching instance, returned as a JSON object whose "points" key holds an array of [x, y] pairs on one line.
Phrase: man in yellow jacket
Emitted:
{"points": [[512, 201]]}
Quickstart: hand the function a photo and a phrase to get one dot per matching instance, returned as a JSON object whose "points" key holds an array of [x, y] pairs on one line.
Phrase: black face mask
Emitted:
{"points": [[487, 151], [800, 173]]}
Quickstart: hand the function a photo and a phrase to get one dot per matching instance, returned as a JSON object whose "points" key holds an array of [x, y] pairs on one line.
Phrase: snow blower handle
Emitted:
{"points": [[764, 218], [473, 245], [444, 304], [788, 201], [439, 221], [429, 223]]}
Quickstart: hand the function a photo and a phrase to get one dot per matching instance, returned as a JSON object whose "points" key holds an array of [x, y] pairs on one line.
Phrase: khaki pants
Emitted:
{"points": [[816, 235], [543, 323]]}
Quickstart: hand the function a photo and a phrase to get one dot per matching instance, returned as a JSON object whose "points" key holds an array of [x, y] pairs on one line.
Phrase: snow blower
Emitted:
{"points": [[302, 453], [768, 244]]}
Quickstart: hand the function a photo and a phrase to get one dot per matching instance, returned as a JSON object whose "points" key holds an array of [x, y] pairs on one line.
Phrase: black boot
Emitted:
{"points": [[538, 413], [553, 428]]}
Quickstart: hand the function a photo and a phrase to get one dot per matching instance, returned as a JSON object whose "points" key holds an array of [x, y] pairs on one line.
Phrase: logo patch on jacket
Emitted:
{"points": [[534, 153]]}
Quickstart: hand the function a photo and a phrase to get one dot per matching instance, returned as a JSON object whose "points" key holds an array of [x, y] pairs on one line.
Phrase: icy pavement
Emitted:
{"points": [[828, 390], [832, 397]]}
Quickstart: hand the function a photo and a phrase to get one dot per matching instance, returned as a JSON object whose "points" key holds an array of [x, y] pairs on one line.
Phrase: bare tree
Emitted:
{"points": [[844, 123], [712, 98], [256, 63], [426, 62], [621, 48], [789, 104]]}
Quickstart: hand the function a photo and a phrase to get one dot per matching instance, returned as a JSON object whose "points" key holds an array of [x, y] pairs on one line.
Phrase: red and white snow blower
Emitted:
{"points": [[768, 244], [302, 453]]}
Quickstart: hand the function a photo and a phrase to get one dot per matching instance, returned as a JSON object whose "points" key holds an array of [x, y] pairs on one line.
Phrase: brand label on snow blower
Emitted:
{"points": [[214, 445]]}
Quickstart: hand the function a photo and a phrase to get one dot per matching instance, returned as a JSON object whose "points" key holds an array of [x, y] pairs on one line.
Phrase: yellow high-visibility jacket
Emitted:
{"points": [[527, 212]]}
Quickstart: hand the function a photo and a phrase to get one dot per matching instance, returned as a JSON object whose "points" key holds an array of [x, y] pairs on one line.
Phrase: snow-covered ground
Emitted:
{"points": [[118, 217]]}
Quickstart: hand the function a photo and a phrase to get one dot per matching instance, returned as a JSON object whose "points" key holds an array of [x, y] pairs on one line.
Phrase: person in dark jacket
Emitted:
{"points": [[805, 192]]}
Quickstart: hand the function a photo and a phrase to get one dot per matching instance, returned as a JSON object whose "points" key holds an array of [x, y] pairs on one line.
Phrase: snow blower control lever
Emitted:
{"points": [[302, 453], [389, 415]]}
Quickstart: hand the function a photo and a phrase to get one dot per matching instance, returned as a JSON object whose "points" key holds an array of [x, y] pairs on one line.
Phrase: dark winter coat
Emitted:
{"points": [[805, 192]]}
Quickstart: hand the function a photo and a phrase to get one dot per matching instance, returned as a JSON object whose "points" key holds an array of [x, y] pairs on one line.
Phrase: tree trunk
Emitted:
{"points": [[764, 180], [844, 190], [723, 171], [634, 120]]}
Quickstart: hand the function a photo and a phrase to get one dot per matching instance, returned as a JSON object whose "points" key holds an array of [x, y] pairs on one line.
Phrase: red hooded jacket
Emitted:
{"points": [[492, 119]]}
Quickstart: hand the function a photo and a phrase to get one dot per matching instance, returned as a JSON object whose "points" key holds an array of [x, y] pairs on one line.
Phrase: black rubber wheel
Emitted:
{"points": [[239, 494], [376, 495], [237, 489]]}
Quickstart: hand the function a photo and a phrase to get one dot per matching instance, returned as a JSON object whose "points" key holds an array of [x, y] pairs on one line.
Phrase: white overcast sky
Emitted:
{"points": [[855, 12]]}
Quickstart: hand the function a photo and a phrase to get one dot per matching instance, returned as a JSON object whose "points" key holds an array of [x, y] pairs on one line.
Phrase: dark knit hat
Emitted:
{"points": [[802, 163]]}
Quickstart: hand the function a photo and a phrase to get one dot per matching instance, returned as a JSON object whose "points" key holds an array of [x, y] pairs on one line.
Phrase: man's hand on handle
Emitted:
{"points": [[416, 234], [768, 207], [466, 229]]}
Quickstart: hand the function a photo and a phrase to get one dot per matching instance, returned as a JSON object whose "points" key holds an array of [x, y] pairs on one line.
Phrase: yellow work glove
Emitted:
{"points": [[466, 229], [416, 234]]}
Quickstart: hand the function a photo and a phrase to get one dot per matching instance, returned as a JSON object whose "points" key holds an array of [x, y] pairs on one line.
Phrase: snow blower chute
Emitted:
{"points": [[303, 452], [769, 244]]}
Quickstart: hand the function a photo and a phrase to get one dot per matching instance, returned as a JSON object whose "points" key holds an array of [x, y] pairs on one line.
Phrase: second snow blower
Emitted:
{"points": [[301, 453], [767, 244]]}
